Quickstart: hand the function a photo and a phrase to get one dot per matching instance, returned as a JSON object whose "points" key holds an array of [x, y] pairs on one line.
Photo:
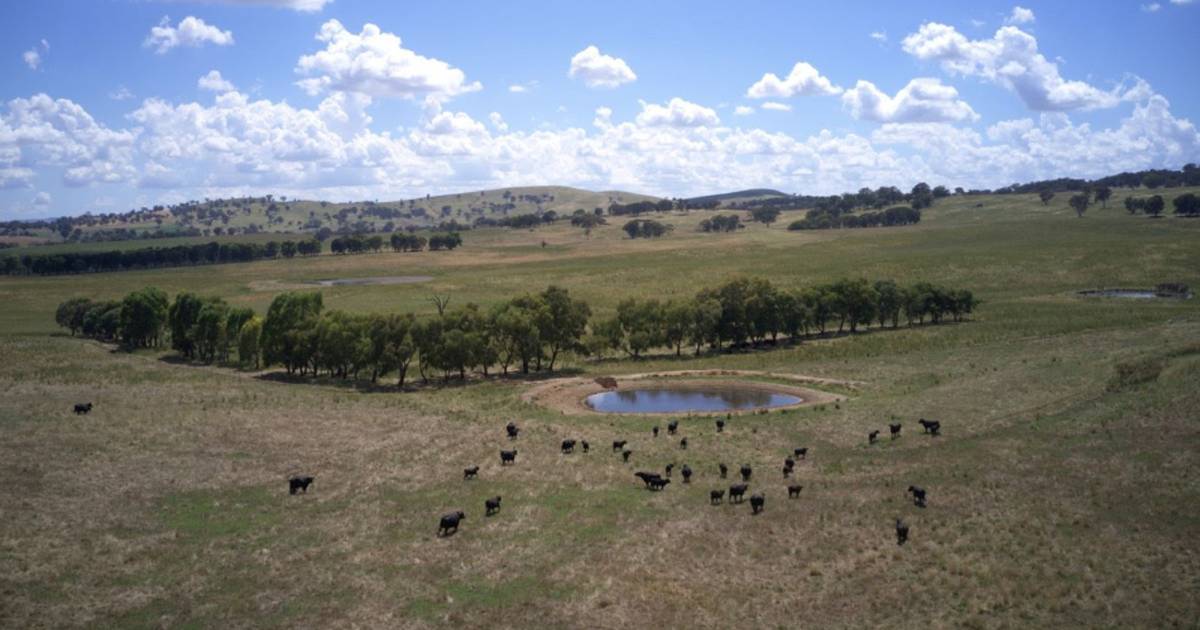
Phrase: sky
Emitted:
{"points": [[111, 105]]}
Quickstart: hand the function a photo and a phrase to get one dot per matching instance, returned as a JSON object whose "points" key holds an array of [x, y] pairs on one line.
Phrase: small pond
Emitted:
{"points": [[1135, 294], [353, 282], [679, 400]]}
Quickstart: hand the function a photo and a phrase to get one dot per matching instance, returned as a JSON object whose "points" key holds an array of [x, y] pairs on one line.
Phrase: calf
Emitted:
{"points": [[508, 457], [716, 496], [872, 436], [901, 532], [746, 472], [736, 492], [724, 470], [618, 445], [720, 426], [801, 453], [789, 463], [895, 429], [491, 506], [584, 444], [794, 491], [299, 483], [568, 446], [470, 473], [787, 471], [670, 467], [82, 409], [683, 444], [918, 495], [672, 426], [687, 473], [757, 501], [625, 455], [658, 483], [646, 477], [654, 431], [512, 430], [449, 523]]}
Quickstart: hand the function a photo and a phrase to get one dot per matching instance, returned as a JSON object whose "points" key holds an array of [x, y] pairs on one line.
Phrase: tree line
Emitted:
{"points": [[529, 333], [817, 220], [399, 241]]}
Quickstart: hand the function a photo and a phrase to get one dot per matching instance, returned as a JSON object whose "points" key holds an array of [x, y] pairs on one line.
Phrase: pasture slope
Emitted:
{"points": [[1057, 496]]}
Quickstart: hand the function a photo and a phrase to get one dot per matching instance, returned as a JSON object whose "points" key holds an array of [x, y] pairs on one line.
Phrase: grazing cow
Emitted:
{"points": [[683, 444], [801, 453], [299, 483], [794, 491], [512, 430], [716, 496], [901, 532], [736, 492], [895, 429], [625, 455], [646, 477], [508, 457], [449, 523], [872, 436], [757, 501], [789, 463], [925, 424], [82, 409], [787, 471], [918, 495], [585, 445], [568, 446], [670, 467], [746, 472], [672, 426], [724, 470], [654, 430], [470, 473], [720, 426], [658, 483], [687, 473], [618, 445], [934, 428], [491, 506]]}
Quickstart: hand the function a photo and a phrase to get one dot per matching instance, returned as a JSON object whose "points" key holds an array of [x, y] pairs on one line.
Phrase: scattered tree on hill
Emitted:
{"points": [[1045, 196], [1103, 193], [1080, 203], [1187, 205], [766, 216], [1154, 205]]}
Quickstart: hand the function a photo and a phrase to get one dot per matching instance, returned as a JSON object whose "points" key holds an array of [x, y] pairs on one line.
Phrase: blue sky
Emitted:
{"points": [[104, 106]]}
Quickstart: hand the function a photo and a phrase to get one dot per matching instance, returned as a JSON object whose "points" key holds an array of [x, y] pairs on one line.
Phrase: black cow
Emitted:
{"points": [[687, 473], [83, 409], [787, 471], [918, 495], [930, 426], [508, 457], [720, 426], [646, 477], [449, 523], [512, 430], [470, 473], [935, 428], [716, 496], [895, 429], [794, 492], [901, 532], [872, 436], [746, 472], [625, 455], [618, 445], [683, 444], [670, 467], [801, 453], [568, 446], [584, 444], [736, 492], [658, 483], [757, 501], [299, 483], [654, 431], [491, 506], [724, 470], [672, 426]]}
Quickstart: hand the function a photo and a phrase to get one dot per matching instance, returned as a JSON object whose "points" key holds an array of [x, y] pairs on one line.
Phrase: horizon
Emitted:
{"points": [[343, 101]]}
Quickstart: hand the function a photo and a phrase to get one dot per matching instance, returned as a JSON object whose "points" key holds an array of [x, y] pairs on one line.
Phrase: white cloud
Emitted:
{"points": [[1020, 15], [1011, 59], [879, 36], [191, 31], [803, 80], [303, 6], [374, 63], [677, 113], [517, 88], [122, 93], [922, 100], [598, 70], [32, 58], [214, 82], [42, 200], [779, 107], [743, 110], [1152, 7], [1181, 2], [498, 122], [42, 132]]}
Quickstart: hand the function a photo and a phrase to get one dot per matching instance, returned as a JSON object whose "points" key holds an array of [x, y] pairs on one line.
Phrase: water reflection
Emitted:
{"points": [[679, 400]]}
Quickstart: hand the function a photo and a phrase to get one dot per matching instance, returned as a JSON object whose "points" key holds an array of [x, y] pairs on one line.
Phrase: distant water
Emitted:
{"points": [[681, 400], [340, 282]]}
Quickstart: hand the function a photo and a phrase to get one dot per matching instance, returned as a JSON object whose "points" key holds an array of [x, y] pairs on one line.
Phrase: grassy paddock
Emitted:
{"points": [[1060, 493]]}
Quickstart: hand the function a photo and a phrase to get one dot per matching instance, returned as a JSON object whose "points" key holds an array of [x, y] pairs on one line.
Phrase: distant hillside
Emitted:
{"points": [[269, 214], [736, 196]]}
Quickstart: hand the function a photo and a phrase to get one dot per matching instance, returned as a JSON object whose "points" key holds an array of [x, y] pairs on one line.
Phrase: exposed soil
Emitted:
{"points": [[277, 285]]}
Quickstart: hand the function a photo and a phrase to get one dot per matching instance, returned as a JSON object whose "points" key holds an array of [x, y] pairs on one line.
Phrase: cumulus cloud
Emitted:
{"points": [[498, 122], [191, 31], [1011, 59], [40, 131], [598, 70], [214, 82], [374, 63], [879, 36], [677, 113], [779, 107], [122, 93], [304, 6], [922, 100], [32, 58], [743, 110], [803, 80], [1020, 15]]}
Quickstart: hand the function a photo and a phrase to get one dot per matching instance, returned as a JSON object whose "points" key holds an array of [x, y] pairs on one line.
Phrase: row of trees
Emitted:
{"points": [[400, 242], [528, 333], [721, 223], [645, 228], [817, 220], [147, 257]]}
